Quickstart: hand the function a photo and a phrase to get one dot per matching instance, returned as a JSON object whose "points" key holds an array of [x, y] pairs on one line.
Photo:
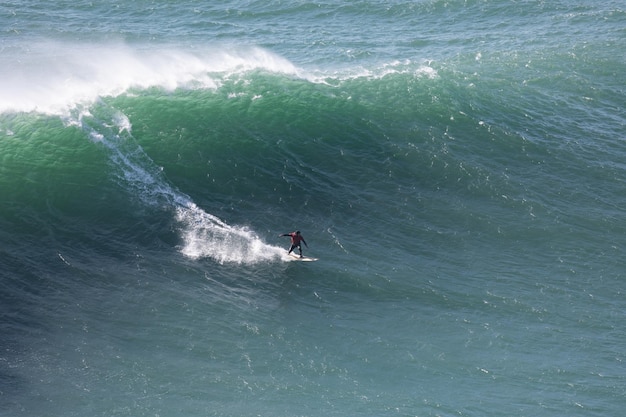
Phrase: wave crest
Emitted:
{"points": [[53, 78]]}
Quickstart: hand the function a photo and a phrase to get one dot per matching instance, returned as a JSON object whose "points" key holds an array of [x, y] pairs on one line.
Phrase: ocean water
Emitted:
{"points": [[458, 167]]}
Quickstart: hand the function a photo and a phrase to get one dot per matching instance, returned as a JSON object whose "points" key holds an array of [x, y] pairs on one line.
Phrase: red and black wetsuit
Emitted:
{"points": [[296, 241]]}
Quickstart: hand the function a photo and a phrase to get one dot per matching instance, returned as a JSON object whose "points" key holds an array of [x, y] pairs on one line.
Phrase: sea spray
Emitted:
{"points": [[54, 77], [204, 235]]}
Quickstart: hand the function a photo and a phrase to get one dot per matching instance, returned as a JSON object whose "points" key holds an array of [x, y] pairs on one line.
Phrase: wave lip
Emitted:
{"points": [[53, 78]]}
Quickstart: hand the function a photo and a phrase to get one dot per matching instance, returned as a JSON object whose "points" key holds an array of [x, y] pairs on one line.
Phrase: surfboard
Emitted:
{"points": [[295, 257]]}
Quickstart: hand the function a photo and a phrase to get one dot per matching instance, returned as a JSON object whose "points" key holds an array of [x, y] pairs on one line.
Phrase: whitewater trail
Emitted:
{"points": [[203, 235]]}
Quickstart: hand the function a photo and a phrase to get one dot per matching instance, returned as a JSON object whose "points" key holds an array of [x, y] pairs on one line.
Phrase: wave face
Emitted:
{"points": [[457, 168]]}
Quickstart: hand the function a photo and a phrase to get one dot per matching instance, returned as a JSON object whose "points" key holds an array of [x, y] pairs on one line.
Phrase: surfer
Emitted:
{"points": [[296, 241]]}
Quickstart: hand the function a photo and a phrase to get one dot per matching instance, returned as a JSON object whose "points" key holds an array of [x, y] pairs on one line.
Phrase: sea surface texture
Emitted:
{"points": [[458, 167]]}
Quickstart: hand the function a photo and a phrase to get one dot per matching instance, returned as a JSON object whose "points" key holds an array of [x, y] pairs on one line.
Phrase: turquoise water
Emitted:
{"points": [[456, 166]]}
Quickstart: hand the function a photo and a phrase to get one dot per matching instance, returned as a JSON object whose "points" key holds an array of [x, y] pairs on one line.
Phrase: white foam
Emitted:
{"points": [[53, 77], [204, 235], [375, 72]]}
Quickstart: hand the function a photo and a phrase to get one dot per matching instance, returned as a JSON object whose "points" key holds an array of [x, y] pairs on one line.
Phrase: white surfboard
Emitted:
{"points": [[296, 257]]}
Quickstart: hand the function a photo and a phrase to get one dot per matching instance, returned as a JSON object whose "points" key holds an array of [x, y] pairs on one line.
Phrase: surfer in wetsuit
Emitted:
{"points": [[296, 241]]}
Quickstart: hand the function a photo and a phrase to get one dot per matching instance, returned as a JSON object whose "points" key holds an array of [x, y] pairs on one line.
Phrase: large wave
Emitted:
{"points": [[203, 235]]}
